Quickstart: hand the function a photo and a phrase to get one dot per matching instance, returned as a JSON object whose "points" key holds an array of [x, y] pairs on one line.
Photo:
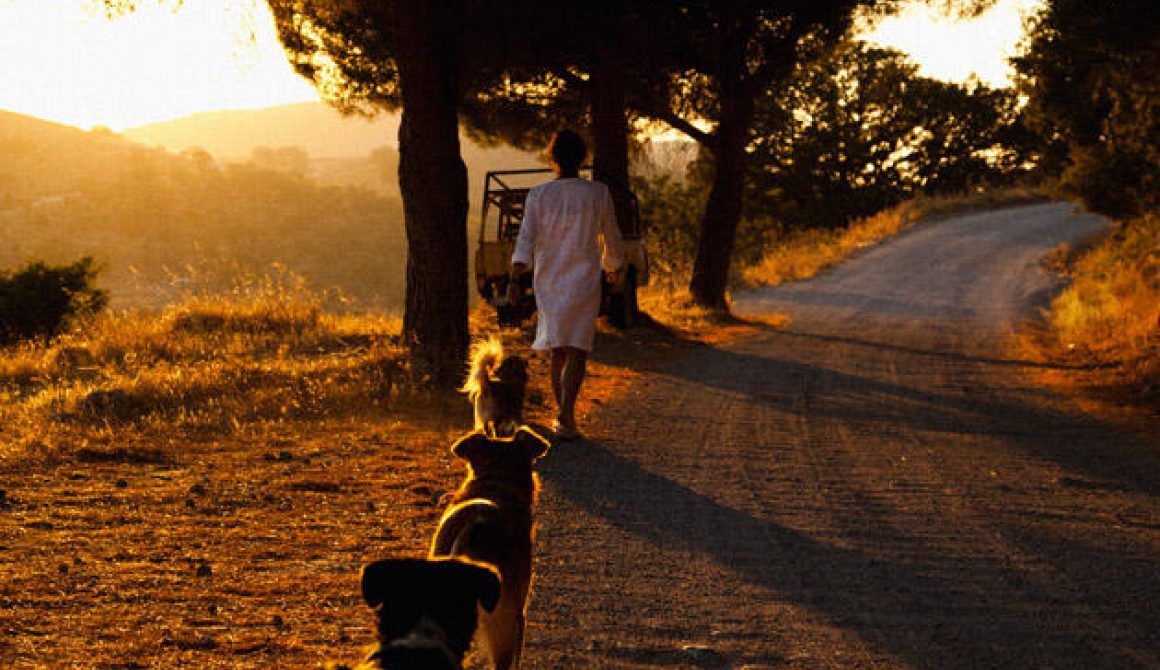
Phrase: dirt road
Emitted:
{"points": [[875, 485]]}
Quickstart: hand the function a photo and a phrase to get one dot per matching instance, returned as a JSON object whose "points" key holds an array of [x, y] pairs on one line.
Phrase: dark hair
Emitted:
{"points": [[568, 150]]}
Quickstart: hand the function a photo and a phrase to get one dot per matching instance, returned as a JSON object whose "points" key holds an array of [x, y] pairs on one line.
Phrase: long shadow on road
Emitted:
{"points": [[1083, 445], [983, 615]]}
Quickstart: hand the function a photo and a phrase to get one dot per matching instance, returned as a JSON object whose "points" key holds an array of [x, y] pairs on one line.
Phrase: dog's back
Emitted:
{"points": [[490, 521], [479, 529]]}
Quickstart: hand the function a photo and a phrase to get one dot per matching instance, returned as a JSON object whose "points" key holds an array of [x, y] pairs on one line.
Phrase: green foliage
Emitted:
{"points": [[673, 210], [860, 131], [42, 301], [1091, 73]]}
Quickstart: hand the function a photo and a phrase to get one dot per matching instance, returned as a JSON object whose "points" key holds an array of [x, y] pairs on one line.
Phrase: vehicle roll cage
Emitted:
{"points": [[508, 201]]}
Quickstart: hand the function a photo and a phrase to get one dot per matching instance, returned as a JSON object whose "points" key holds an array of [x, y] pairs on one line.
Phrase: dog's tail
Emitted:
{"points": [[485, 357]]}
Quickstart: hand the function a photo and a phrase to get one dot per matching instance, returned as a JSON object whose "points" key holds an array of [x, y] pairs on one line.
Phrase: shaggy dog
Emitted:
{"points": [[496, 386], [426, 610], [490, 521]]}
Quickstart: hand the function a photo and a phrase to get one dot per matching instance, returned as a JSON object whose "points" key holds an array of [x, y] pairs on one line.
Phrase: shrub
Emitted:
{"points": [[42, 301]]}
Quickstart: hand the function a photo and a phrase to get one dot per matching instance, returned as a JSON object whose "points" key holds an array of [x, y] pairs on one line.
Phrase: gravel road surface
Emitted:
{"points": [[875, 485]]}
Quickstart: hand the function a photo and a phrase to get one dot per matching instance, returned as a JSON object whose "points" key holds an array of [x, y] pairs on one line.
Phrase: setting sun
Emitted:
{"points": [[68, 63]]}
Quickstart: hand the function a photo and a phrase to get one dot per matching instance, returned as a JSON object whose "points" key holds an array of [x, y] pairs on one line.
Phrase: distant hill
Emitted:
{"points": [[162, 223], [315, 127], [42, 158], [233, 135], [298, 185], [338, 146]]}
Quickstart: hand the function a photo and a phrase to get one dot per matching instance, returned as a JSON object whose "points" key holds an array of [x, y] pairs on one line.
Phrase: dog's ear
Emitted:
{"points": [[483, 580], [471, 446], [533, 445], [379, 578]]}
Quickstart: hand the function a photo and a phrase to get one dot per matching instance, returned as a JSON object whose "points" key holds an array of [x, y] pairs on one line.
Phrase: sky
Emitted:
{"points": [[65, 62], [954, 50]]}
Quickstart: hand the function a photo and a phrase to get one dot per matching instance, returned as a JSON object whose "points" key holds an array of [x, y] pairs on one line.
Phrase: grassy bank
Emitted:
{"points": [[213, 364], [1108, 319]]}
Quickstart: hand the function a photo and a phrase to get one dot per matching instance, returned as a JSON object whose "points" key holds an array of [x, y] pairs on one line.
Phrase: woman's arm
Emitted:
{"points": [[526, 240], [611, 244]]}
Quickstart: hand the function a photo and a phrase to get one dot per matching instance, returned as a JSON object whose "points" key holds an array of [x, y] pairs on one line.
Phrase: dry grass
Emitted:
{"points": [[670, 308], [213, 365], [1108, 319], [804, 253], [199, 487]]}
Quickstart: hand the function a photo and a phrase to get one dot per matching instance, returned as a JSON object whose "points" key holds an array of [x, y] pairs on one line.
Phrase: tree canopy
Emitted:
{"points": [[1091, 73], [859, 131]]}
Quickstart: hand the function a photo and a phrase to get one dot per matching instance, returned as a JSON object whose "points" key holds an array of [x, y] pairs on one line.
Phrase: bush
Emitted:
{"points": [[42, 301]]}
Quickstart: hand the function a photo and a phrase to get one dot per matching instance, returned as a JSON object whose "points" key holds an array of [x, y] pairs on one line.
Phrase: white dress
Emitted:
{"points": [[568, 234]]}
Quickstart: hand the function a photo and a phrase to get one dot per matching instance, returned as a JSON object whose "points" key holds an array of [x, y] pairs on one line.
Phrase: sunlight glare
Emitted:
{"points": [[955, 49], [66, 62]]}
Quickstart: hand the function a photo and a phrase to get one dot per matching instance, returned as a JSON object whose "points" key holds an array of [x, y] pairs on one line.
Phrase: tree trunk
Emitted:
{"points": [[610, 134], [723, 210], [719, 223], [722, 215], [433, 181]]}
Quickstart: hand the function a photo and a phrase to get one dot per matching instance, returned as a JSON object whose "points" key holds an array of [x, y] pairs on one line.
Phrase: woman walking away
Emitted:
{"points": [[569, 230]]}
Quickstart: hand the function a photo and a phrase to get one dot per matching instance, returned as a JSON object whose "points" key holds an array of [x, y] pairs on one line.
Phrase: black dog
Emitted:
{"points": [[426, 610]]}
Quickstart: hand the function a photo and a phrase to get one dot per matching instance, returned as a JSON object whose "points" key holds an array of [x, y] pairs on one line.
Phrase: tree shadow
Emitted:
{"points": [[882, 307], [978, 612], [935, 353], [953, 405]]}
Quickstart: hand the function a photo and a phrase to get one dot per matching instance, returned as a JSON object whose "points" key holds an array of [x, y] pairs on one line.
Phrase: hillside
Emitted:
{"points": [[232, 135], [342, 150], [164, 223]]}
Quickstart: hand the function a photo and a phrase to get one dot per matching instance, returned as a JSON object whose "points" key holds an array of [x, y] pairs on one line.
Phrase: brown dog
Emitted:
{"points": [[490, 521], [496, 386], [427, 611]]}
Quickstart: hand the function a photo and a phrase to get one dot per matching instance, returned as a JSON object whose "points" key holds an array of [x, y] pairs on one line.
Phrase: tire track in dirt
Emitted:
{"points": [[874, 485]]}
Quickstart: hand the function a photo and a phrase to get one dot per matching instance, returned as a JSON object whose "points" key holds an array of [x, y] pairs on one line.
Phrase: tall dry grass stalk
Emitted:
{"points": [[668, 303], [801, 254], [257, 355], [1111, 311]]}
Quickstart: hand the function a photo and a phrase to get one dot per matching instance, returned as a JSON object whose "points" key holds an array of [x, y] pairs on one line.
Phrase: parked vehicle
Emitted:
{"points": [[504, 194]]}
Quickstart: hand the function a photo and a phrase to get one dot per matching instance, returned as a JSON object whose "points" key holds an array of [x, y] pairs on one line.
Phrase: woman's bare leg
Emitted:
{"points": [[571, 378], [559, 358]]}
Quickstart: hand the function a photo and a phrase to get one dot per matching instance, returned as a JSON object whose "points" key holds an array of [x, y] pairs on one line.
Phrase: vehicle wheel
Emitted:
{"points": [[507, 316], [623, 306]]}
